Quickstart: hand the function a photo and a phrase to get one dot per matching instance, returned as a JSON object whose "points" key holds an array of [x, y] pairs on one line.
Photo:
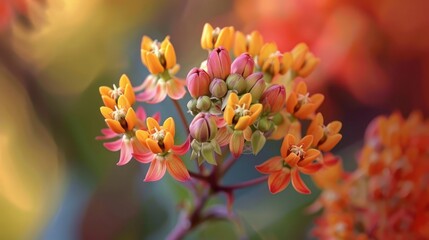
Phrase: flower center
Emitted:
{"points": [[119, 113], [241, 110], [303, 99], [116, 92], [298, 150], [158, 135]]}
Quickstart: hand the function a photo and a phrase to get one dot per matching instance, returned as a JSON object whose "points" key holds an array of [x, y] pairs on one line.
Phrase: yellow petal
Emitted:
{"points": [[123, 81], [142, 136], [228, 115], [131, 118], [146, 43], [243, 123], [129, 94], [232, 99], [246, 99], [239, 43], [123, 102], [152, 124], [225, 38], [299, 53], [165, 42], [153, 145], [169, 126], [115, 126], [255, 110], [153, 64], [168, 141], [105, 90], [170, 56], [206, 37], [256, 42], [106, 112]]}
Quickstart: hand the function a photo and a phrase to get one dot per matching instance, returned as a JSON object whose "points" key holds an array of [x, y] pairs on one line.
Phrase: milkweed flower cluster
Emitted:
{"points": [[242, 96], [387, 196]]}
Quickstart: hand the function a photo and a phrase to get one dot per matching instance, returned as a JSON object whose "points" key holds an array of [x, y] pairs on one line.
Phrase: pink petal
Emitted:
{"points": [[175, 89], [141, 113], [107, 134], [149, 82], [177, 169], [220, 122], [156, 170], [140, 153], [113, 146], [160, 94], [298, 184], [157, 116], [182, 149], [126, 153], [146, 95]]}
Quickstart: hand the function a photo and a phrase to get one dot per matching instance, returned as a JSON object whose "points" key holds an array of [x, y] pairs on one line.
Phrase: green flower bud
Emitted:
{"points": [[218, 88], [236, 82], [204, 103]]}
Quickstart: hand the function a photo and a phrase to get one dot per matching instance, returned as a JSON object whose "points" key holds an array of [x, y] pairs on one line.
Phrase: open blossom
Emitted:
{"points": [[239, 114], [127, 144], [300, 104], [272, 61], [304, 62], [295, 157], [122, 118], [325, 137], [163, 154], [110, 96], [157, 57], [213, 38]]}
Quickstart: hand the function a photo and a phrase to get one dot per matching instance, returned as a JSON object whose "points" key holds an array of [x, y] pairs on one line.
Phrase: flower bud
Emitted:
{"points": [[273, 98], [192, 106], [204, 103], [236, 82], [264, 124], [258, 141], [203, 128], [218, 88], [198, 82], [243, 65], [255, 85], [219, 63]]}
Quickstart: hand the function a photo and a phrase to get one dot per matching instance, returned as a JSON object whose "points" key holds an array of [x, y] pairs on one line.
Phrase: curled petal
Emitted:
{"points": [[176, 168], [160, 94], [272, 165], [175, 89], [278, 181], [156, 170], [146, 95], [129, 93], [123, 102], [298, 184], [107, 134], [141, 113], [113, 146], [182, 149], [126, 152]]}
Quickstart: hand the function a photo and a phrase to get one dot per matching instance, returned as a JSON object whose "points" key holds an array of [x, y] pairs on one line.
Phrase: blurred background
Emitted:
{"points": [[58, 182]]}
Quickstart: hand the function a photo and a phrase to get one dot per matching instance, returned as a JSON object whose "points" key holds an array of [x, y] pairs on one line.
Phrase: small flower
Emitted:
{"points": [[122, 119], [273, 62], [304, 62], [250, 43], [243, 65], [126, 143], [325, 137], [219, 63], [239, 115], [110, 96], [157, 57], [213, 38], [295, 157], [273, 99], [163, 154], [300, 104], [198, 82]]}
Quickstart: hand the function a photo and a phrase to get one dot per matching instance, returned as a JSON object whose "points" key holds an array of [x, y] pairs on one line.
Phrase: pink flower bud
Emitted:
{"points": [[243, 65], [198, 82], [219, 63], [255, 85], [203, 128], [273, 99]]}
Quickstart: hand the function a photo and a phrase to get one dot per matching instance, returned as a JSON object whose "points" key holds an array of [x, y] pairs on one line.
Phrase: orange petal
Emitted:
{"points": [[104, 90], [305, 111], [153, 145], [310, 64], [146, 43], [334, 127], [228, 114], [131, 118], [106, 112], [272, 165], [291, 102], [246, 99], [168, 142], [287, 142], [170, 56], [152, 124], [108, 101], [232, 100], [142, 136], [169, 126], [256, 42], [176, 168], [239, 43], [207, 36], [310, 168], [243, 123], [277, 182], [306, 142], [310, 155], [123, 102], [115, 126], [225, 38], [156, 170], [123, 81], [301, 88], [129, 94], [330, 142], [255, 110], [299, 52], [153, 64], [298, 184], [292, 159], [236, 143], [317, 99]]}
